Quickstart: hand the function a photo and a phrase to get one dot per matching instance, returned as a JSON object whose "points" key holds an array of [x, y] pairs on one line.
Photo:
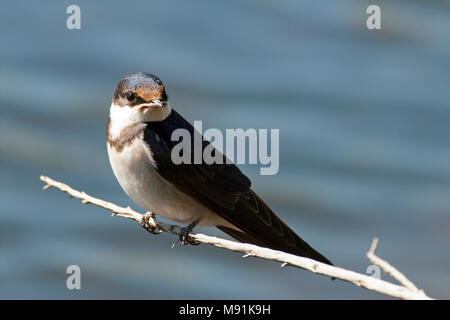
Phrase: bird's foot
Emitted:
{"points": [[184, 234], [148, 222]]}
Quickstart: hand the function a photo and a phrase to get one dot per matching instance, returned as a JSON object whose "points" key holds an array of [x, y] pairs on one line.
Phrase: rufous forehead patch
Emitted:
{"points": [[150, 92]]}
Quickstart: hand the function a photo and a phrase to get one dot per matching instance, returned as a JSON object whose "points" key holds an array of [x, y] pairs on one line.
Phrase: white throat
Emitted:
{"points": [[124, 116]]}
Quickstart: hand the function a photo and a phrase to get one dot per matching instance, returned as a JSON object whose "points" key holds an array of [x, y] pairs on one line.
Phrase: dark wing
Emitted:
{"points": [[225, 190]]}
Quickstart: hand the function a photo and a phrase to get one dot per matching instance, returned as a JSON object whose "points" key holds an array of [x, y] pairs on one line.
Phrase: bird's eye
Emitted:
{"points": [[131, 96]]}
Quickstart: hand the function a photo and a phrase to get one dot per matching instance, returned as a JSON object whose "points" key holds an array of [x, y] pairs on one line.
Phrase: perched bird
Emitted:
{"points": [[139, 131]]}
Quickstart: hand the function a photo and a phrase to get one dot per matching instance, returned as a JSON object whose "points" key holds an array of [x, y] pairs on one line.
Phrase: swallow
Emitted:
{"points": [[139, 144]]}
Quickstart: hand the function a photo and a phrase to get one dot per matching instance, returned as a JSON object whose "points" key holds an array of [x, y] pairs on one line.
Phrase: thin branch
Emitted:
{"points": [[388, 268], [149, 223]]}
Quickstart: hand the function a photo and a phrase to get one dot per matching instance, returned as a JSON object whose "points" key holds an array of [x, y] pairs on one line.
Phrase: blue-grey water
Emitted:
{"points": [[364, 140]]}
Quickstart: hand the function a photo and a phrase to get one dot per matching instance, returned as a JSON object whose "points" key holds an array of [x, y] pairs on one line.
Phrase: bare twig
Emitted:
{"points": [[388, 268], [149, 223]]}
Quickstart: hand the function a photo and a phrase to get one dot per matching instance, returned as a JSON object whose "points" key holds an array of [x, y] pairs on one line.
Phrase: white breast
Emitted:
{"points": [[134, 168]]}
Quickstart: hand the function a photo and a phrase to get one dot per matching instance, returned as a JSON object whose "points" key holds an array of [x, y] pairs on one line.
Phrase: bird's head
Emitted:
{"points": [[139, 97]]}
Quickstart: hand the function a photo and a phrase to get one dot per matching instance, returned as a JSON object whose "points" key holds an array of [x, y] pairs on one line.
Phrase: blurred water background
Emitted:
{"points": [[364, 140]]}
